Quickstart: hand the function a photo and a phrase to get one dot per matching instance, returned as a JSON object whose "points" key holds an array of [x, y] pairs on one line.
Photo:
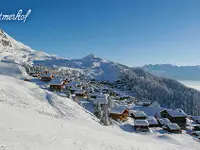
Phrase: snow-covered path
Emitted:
{"points": [[35, 119]]}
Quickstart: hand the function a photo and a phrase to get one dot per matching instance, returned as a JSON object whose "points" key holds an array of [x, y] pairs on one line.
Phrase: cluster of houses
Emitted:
{"points": [[120, 104]]}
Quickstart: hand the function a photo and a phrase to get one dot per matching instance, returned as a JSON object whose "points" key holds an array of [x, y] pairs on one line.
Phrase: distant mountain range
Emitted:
{"points": [[136, 81], [174, 72]]}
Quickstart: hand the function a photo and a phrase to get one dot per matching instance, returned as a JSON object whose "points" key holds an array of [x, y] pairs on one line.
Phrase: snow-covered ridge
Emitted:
{"points": [[15, 51], [95, 67], [8, 43], [91, 66]]}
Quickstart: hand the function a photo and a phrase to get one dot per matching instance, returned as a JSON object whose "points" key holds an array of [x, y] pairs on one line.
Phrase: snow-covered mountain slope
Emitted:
{"points": [[8, 43], [33, 118], [138, 82], [95, 67], [14, 51], [31, 96], [91, 65], [12, 69]]}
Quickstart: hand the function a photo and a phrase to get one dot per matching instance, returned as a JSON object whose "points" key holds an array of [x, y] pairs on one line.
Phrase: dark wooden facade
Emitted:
{"points": [[138, 115], [46, 78], [122, 116], [57, 87], [141, 125], [179, 119], [196, 128], [167, 128]]}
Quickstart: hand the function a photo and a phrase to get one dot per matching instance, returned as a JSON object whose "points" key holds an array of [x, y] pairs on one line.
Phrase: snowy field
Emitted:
{"points": [[32, 118], [191, 84]]}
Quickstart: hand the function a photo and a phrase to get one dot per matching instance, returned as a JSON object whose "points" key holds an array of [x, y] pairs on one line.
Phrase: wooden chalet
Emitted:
{"points": [[146, 103], [26, 79], [196, 119], [73, 84], [79, 84], [74, 89], [66, 81], [92, 81], [34, 73], [130, 100], [172, 127], [119, 113], [102, 100], [196, 127], [152, 121], [94, 95], [31, 72], [196, 133], [56, 84], [141, 125], [175, 116], [138, 115], [90, 89], [46, 77], [163, 121], [81, 93]]}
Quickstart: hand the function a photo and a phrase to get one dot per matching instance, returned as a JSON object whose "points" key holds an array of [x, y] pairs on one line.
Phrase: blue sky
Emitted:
{"points": [[132, 32]]}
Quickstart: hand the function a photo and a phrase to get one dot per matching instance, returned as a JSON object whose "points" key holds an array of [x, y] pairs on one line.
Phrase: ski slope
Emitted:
{"points": [[13, 70], [35, 119]]}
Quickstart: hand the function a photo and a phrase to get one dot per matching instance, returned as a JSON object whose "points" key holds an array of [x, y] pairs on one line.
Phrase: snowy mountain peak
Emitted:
{"points": [[90, 56], [8, 43], [4, 41], [15, 51], [2, 33]]}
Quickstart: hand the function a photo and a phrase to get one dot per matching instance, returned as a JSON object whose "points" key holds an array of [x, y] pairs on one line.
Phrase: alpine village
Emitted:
{"points": [[111, 105]]}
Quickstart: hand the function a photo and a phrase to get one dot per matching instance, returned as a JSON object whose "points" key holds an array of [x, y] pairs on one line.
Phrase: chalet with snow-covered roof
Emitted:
{"points": [[119, 113], [141, 125], [92, 81], [172, 127], [102, 100], [73, 84], [77, 83], [81, 93], [152, 121], [56, 84], [196, 119], [196, 133], [94, 95], [196, 127], [66, 80], [46, 77], [34, 73], [147, 103], [138, 115], [175, 116], [73, 89], [90, 89], [163, 121], [31, 72]]}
